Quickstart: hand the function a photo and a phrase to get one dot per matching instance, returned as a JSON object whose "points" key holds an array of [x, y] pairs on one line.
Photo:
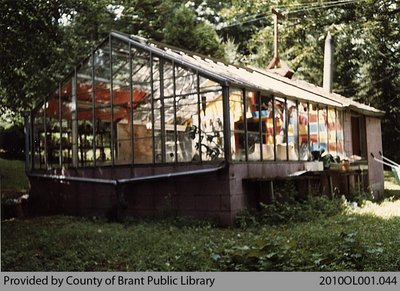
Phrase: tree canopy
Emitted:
{"points": [[42, 40]]}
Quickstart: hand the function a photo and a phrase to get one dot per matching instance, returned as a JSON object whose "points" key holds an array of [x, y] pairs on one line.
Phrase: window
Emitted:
{"points": [[304, 140]]}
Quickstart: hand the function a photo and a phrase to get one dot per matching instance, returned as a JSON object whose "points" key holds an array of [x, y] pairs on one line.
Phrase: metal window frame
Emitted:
{"points": [[246, 140], [274, 125], [152, 108], [286, 114], [93, 110], [131, 92], [162, 111], [260, 133], [112, 138], [60, 157], [298, 130], [175, 118], [226, 125], [199, 113]]}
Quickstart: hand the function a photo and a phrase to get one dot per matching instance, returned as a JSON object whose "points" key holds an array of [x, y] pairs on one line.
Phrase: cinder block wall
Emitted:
{"points": [[204, 196]]}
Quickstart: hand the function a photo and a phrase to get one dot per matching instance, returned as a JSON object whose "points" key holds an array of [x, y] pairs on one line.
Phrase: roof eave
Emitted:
{"points": [[367, 112]]}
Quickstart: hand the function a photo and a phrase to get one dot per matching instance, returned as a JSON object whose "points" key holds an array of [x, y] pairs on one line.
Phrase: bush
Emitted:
{"points": [[12, 141], [290, 211]]}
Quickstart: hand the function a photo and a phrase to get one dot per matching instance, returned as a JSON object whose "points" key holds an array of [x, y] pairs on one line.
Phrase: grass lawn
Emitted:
{"points": [[13, 178], [364, 239], [355, 239]]}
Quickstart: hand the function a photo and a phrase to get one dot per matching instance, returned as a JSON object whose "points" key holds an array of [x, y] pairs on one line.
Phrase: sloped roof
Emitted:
{"points": [[248, 77]]}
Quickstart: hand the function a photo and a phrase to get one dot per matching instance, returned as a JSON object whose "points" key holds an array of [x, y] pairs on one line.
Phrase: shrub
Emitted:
{"points": [[290, 211], [12, 141]]}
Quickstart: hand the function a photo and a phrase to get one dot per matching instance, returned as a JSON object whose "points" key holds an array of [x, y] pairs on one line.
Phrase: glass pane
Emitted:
{"points": [[313, 128], [303, 131], [122, 101], [142, 107], [103, 137], [323, 132], [253, 127], [165, 147], [211, 118], [332, 123], [237, 118], [186, 108], [280, 129], [53, 138], [67, 108], [39, 139], [293, 131], [340, 137], [84, 92], [102, 113], [260, 127]]}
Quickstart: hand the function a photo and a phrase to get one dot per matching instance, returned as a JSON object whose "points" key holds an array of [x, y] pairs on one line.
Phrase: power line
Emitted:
{"points": [[311, 4], [243, 22], [298, 8], [338, 4]]}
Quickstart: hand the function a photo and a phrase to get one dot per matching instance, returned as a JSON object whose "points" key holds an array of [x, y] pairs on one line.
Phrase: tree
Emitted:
{"points": [[29, 50], [185, 31], [367, 48], [42, 40]]}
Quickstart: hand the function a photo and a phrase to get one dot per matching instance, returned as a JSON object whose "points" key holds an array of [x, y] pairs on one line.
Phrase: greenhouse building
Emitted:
{"points": [[140, 128]]}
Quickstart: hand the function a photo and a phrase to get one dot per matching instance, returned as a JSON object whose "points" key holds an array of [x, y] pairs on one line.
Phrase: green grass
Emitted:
{"points": [[13, 176], [359, 239], [392, 186], [351, 241]]}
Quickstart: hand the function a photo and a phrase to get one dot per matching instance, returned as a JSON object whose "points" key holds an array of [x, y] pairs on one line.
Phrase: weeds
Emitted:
{"points": [[319, 234], [294, 211]]}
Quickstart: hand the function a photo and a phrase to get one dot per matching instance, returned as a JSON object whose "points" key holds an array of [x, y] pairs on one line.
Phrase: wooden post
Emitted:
{"points": [[275, 61]]}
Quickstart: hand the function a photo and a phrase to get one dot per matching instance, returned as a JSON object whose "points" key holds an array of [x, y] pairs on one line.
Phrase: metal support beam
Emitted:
{"points": [[199, 113], [274, 126], [93, 110], [60, 156], [175, 117], [74, 117], [113, 139], [286, 112], [227, 128], [46, 152], [162, 111], [131, 105], [260, 131], [152, 107], [298, 130], [246, 138], [27, 140]]}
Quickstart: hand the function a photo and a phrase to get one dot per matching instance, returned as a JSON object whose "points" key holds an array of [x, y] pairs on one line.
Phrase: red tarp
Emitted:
{"points": [[121, 102]]}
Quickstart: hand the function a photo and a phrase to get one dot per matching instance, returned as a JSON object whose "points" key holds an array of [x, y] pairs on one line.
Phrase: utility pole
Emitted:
{"points": [[275, 61]]}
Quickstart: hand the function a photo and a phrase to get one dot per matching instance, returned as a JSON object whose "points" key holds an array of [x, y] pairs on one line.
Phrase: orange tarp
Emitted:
{"points": [[121, 102]]}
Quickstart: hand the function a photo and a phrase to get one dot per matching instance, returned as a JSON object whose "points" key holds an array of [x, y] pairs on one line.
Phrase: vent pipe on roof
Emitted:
{"points": [[328, 63]]}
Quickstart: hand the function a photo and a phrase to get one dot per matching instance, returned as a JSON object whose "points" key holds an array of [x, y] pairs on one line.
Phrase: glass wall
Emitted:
{"points": [[288, 131], [128, 105], [125, 105]]}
